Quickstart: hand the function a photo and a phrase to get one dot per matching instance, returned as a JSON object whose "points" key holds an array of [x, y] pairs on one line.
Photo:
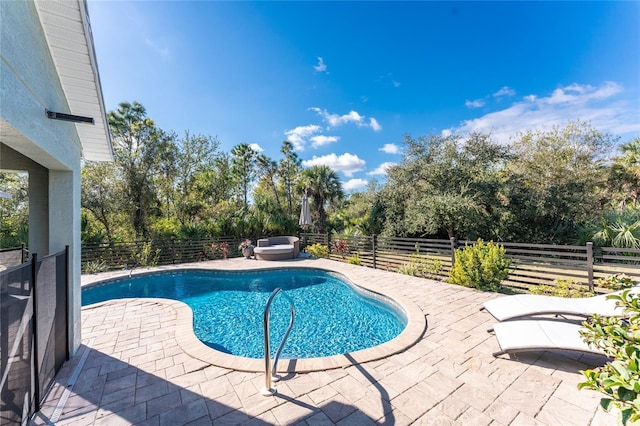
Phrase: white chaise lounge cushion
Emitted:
{"points": [[528, 335], [275, 249], [522, 305]]}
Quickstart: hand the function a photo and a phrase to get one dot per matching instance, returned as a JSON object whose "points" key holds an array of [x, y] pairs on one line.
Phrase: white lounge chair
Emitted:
{"points": [[526, 305], [537, 335]]}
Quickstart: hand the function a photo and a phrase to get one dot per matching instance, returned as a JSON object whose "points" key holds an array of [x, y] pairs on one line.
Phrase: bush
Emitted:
{"points": [[562, 288], [421, 266], [616, 282], [145, 255], [95, 266], [341, 247], [619, 338], [481, 265], [318, 250], [354, 260], [409, 269]]}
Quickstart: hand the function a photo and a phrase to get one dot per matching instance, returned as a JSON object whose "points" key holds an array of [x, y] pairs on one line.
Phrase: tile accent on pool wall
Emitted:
{"points": [[187, 340]]}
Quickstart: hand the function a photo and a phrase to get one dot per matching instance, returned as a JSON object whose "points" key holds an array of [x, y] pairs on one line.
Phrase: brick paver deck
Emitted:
{"points": [[132, 370]]}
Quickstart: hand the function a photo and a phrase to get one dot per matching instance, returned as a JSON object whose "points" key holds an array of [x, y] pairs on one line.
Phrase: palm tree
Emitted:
{"points": [[269, 171], [243, 168], [289, 172], [625, 171], [140, 150], [324, 186]]}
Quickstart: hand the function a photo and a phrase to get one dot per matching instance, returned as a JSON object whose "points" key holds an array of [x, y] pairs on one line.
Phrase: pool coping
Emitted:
{"points": [[187, 340]]}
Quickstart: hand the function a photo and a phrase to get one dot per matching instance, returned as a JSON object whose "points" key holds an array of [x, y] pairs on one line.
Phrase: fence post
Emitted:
{"points": [[66, 297], [328, 239], [373, 248], [453, 250], [590, 265], [34, 318], [22, 259]]}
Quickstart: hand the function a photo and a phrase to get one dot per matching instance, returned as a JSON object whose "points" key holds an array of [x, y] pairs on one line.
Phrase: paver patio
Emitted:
{"points": [[131, 369]]}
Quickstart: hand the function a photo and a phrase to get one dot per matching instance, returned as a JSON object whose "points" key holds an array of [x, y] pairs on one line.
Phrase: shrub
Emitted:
{"points": [[619, 338], [481, 265], [166, 228], [221, 248], [409, 269], [421, 266], [562, 288], [145, 255], [354, 260], [95, 266], [341, 247], [616, 282], [318, 250]]}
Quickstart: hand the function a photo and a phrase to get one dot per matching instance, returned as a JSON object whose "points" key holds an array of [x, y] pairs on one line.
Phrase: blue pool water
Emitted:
{"points": [[332, 317]]}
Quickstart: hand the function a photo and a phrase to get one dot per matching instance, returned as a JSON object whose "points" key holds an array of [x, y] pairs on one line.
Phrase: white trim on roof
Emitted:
{"points": [[68, 33]]}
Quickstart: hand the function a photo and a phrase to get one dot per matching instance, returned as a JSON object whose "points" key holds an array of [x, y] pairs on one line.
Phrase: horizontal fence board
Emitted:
{"points": [[622, 258], [618, 250], [547, 260], [628, 266], [542, 246], [550, 254]]}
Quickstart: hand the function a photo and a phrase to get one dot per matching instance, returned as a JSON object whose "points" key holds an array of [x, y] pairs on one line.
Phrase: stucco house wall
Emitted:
{"points": [[33, 80]]}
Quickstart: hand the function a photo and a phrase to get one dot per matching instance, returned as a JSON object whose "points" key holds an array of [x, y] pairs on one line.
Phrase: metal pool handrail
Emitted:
{"points": [[271, 375]]}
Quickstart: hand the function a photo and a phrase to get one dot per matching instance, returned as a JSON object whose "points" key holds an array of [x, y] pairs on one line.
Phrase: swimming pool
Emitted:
{"points": [[332, 316]]}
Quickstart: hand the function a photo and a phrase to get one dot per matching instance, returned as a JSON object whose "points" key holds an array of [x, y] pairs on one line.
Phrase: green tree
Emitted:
{"points": [[216, 184], [268, 170], [290, 168], [624, 175], [325, 188], [195, 156], [14, 210], [140, 150], [243, 169], [102, 194], [555, 179], [445, 186], [364, 210]]}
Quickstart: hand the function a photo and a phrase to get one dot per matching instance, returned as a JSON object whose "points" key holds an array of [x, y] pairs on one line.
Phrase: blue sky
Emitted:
{"points": [[345, 81]]}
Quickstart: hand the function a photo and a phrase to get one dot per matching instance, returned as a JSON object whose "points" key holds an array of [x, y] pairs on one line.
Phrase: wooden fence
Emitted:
{"points": [[98, 257], [531, 264]]}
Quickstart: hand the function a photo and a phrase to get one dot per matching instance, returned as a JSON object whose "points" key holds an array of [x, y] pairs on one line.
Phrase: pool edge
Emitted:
{"points": [[190, 344]]}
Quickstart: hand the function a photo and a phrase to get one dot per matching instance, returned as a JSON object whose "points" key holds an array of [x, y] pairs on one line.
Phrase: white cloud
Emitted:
{"points": [[382, 169], [474, 104], [321, 67], [352, 184], [577, 94], [373, 123], [390, 148], [396, 83], [504, 91], [598, 105], [256, 147], [335, 120], [319, 140], [345, 163], [162, 51], [299, 135]]}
